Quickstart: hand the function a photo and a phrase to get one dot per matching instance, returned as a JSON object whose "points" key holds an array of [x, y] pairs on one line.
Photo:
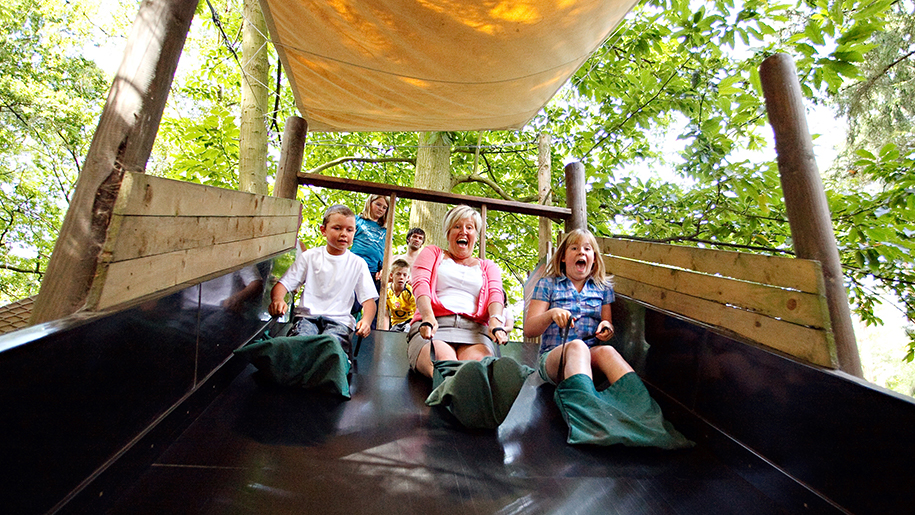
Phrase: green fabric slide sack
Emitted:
{"points": [[314, 362], [478, 393], [623, 413]]}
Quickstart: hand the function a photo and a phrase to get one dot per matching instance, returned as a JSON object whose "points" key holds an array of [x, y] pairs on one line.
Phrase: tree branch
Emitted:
{"points": [[706, 242], [353, 159], [37, 270], [471, 177]]}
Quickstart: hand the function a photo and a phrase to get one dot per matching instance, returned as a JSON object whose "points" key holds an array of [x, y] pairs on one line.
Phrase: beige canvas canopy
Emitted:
{"points": [[424, 65]]}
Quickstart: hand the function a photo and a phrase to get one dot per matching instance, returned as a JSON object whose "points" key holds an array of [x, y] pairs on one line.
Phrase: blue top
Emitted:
{"points": [[368, 243], [585, 307]]}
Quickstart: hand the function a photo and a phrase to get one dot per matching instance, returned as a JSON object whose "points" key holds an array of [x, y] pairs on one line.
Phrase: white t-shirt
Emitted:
{"points": [[331, 284], [458, 286]]}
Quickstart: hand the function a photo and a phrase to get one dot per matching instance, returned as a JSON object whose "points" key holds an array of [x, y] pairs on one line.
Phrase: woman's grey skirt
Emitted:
{"points": [[453, 329]]}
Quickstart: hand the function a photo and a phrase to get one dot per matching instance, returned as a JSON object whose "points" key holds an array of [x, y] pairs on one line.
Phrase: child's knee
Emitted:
{"points": [[607, 354]]}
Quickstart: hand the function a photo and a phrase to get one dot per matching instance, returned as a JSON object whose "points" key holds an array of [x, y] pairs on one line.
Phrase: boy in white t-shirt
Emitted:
{"points": [[331, 277]]}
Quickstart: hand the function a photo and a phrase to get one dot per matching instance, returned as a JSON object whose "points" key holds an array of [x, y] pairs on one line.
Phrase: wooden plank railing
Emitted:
{"points": [[165, 235], [774, 301]]}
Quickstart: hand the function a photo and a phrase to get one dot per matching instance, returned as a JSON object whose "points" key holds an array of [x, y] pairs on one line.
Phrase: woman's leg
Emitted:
{"points": [[606, 359], [471, 352], [442, 351], [577, 360]]}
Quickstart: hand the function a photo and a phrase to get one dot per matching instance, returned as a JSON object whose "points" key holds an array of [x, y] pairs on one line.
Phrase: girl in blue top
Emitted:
{"points": [[368, 243], [575, 291]]}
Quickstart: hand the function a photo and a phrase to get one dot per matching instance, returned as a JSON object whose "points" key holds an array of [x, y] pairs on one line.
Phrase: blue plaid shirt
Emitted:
{"points": [[559, 292]]}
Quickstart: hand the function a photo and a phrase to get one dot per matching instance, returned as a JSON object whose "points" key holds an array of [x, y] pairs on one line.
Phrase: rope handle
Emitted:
{"points": [[564, 338]]}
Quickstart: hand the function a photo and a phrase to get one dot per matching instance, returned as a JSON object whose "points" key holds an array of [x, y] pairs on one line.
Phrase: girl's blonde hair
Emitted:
{"points": [[460, 212], [579, 236], [367, 210]]}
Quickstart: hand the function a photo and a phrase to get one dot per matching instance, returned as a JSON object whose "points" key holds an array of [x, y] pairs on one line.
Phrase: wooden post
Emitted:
{"points": [[287, 180], [575, 197], [382, 321], [805, 199], [123, 141], [544, 194], [483, 214]]}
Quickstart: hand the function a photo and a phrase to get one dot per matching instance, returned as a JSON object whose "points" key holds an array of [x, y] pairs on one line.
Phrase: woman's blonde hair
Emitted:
{"points": [[460, 212], [578, 236], [367, 210]]}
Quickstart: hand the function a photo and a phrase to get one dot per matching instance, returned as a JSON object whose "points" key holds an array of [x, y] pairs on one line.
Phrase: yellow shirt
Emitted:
{"points": [[403, 306]]}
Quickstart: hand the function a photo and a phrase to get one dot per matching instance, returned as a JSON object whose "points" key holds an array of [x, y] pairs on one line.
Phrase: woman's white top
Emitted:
{"points": [[458, 286]]}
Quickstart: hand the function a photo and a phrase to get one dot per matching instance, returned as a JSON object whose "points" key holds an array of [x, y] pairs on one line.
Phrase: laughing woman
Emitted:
{"points": [[459, 301], [459, 297]]}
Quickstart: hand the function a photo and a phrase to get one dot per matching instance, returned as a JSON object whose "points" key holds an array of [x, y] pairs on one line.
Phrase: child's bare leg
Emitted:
{"points": [[472, 352], [424, 361], [606, 359], [577, 360]]}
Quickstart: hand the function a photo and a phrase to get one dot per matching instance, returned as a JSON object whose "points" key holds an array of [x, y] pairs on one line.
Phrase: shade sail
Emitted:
{"points": [[429, 65]]}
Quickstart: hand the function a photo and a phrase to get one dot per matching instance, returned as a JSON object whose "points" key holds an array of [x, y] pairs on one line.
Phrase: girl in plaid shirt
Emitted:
{"points": [[576, 293]]}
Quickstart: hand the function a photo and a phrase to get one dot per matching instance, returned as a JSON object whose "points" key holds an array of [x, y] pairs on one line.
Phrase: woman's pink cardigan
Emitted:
{"points": [[425, 275]]}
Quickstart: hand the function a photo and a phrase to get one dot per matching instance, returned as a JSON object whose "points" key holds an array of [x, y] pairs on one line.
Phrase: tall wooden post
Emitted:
{"points": [[805, 198], [482, 241], [382, 320], [287, 180], [544, 194], [123, 141], [575, 197]]}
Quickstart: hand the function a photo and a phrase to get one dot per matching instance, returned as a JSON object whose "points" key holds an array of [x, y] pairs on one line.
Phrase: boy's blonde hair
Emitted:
{"points": [[367, 210], [398, 264], [460, 212], [337, 209], [558, 268]]}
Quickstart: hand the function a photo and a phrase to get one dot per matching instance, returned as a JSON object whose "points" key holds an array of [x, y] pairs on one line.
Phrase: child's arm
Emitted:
{"points": [[364, 325], [278, 304], [540, 316]]}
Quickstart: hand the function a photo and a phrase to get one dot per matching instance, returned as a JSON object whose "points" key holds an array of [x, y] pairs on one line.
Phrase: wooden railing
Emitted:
{"points": [[773, 301], [394, 192]]}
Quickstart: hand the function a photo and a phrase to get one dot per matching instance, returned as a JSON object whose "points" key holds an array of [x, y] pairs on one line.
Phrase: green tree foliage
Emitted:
{"points": [[49, 98]]}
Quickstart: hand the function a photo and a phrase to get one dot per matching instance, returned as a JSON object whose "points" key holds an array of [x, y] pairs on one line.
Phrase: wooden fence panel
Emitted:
{"points": [[799, 274], [736, 295], [165, 235]]}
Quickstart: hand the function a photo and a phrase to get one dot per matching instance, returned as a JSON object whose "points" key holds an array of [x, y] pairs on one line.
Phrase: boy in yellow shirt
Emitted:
{"points": [[400, 299]]}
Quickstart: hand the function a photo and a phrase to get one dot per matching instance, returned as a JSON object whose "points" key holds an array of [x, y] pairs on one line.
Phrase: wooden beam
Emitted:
{"points": [[575, 197], [805, 200], [483, 217], [294, 134], [124, 281], [382, 321], [123, 141], [326, 181]]}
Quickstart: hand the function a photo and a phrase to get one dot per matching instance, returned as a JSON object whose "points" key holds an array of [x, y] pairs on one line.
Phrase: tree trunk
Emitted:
{"points": [[433, 172], [252, 151]]}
